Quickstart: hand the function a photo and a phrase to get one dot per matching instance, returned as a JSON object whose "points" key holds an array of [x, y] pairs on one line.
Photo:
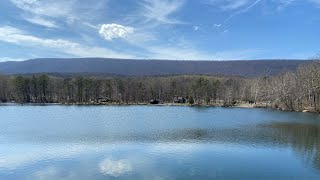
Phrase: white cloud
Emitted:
{"points": [[42, 22], [161, 11], [196, 28], [12, 35], [217, 25], [115, 168], [113, 31]]}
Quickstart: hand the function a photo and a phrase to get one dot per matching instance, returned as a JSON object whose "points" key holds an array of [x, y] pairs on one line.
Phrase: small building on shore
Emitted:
{"points": [[103, 100], [155, 101], [179, 100]]}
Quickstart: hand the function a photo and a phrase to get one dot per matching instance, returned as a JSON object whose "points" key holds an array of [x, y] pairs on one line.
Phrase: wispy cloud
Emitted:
{"points": [[238, 54], [316, 2], [177, 53], [227, 5], [147, 30], [91, 25], [243, 6], [283, 4], [3, 59], [161, 11], [170, 53], [287, 2], [42, 22], [45, 12], [49, 8], [16, 36], [48, 12], [234, 4], [243, 10]]}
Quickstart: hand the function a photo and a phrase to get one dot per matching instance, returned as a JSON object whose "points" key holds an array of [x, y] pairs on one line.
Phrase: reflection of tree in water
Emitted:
{"points": [[303, 138]]}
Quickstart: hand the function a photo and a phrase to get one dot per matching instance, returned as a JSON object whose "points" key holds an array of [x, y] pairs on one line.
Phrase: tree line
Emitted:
{"points": [[294, 90]]}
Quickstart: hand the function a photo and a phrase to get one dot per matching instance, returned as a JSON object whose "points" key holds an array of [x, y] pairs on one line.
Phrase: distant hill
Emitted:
{"points": [[129, 67]]}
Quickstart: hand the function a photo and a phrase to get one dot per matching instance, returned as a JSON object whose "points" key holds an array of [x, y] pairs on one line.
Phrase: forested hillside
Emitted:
{"points": [[131, 67], [296, 90]]}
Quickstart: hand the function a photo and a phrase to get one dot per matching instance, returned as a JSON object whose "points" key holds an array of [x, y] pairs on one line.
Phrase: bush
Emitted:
{"points": [[191, 100]]}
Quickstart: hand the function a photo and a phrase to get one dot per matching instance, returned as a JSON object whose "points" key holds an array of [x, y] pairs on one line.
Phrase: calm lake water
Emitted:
{"points": [[157, 142]]}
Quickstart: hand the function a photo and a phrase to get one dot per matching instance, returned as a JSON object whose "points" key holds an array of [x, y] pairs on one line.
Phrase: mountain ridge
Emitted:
{"points": [[149, 67]]}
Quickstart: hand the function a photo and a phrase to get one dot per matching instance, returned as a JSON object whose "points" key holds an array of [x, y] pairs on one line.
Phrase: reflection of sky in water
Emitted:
{"points": [[115, 168], [139, 142], [151, 161]]}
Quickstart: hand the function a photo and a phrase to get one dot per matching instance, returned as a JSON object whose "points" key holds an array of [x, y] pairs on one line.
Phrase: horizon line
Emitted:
{"points": [[148, 59]]}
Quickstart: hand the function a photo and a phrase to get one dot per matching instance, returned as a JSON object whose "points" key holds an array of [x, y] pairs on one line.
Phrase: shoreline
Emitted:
{"points": [[240, 105]]}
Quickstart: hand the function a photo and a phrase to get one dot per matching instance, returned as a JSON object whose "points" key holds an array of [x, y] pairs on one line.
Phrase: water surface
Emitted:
{"points": [[157, 142]]}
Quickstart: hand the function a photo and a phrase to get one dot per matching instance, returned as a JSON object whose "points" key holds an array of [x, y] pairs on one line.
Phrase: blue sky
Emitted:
{"points": [[160, 29]]}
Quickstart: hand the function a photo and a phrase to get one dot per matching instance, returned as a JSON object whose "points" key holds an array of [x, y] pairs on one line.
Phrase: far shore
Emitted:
{"points": [[238, 105]]}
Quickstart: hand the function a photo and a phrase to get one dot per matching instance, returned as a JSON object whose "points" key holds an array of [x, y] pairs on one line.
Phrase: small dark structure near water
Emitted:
{"points": [[251, 102], [155, 101], [180, 100], [103, 100]]}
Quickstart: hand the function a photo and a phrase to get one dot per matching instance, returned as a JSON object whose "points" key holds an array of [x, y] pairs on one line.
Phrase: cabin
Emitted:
{"points": [[251, 102], [155, 101], [180, 100], [103, 100]]}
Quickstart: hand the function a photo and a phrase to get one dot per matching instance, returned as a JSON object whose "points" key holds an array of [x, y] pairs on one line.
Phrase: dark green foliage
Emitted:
{"points": [[191, 100]]}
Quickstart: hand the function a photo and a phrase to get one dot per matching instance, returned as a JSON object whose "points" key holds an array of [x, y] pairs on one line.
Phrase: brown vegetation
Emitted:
{"points": [[294, 91]]}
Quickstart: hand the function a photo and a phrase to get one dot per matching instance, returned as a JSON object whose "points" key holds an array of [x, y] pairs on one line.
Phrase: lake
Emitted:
{"points": [[157, 142]]}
